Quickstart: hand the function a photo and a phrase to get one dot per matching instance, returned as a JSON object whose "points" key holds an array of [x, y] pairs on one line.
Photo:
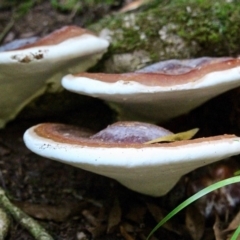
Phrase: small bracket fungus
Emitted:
{"points": [[161, 91], [27, 72], [119, 152]]}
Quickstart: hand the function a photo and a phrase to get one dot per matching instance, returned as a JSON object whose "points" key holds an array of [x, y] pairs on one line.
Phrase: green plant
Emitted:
{"points": [[195, 197]]}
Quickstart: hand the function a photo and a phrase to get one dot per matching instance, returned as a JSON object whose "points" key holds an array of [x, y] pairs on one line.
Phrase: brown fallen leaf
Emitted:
{"points": [[96, 218], [128, 227], [229, 236], [158, 214], [195, 222], [54, 213], [90, 217], [137, 213], [232, 226], [125, 234], [97, 231], [175, 137], [156, 211], [234, 223], [114, 217], [217, 228]]}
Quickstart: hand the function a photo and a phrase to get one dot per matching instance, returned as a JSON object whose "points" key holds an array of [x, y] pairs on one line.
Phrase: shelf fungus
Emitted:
{"points": [[161, 91], [27, 71], [120, 152]]}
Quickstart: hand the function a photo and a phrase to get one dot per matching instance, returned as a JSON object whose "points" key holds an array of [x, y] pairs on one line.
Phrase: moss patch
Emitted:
{"points": [[179, 29]]}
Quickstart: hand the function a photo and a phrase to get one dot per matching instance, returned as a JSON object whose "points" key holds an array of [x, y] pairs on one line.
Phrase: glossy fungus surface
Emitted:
{"points": [[151, 169]]}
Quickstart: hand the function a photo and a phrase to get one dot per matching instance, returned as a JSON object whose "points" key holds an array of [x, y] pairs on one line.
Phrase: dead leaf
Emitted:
{"points": [[234, 223], [156, 211], [96, 217], [125, 234], [195, 222], [137, 214], [229, 236], [114, 217], [158, 214], [54, 213], [90, 218], [128, 227], [97, 231], [217, 228], [175, 137]]}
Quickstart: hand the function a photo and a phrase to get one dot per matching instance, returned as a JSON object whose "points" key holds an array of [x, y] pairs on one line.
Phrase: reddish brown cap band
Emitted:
{"points": [[59, 36], [166, 76], [72, 135]]}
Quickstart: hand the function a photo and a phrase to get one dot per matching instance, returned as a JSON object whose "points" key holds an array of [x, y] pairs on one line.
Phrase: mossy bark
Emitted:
{"points": [[170, 29]]}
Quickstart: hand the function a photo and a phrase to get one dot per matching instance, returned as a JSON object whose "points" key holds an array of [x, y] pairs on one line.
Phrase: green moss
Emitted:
{"points": [[66, 4], [176, 29], [79, 5], [20, 8]]}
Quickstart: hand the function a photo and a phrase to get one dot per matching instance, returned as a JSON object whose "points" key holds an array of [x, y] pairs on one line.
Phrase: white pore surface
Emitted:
{"points": [[152, 170], [27, 73], [155, 103]]}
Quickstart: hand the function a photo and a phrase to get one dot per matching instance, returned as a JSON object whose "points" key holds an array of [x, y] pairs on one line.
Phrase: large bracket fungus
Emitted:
{"points": [[161, 91], [27, 72], [120, 152]]}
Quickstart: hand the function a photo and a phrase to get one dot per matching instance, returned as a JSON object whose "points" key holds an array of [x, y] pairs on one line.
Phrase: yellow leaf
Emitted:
{"points": [[175, 137]]}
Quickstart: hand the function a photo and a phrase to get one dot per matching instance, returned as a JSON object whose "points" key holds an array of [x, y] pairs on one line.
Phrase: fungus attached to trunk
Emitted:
{"points": [[27, 72], [119, 152], [161, 91]]}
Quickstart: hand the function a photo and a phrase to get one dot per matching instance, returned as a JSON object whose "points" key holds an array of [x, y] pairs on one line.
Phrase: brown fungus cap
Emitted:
{"points": [[169, 73], [59, 36], [161, 91], [151, 169]]}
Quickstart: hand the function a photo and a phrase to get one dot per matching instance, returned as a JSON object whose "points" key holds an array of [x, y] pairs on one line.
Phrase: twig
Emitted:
{"points": [[6, 29], [31, 225], [16, 14], [4, 224], [74, 11]]}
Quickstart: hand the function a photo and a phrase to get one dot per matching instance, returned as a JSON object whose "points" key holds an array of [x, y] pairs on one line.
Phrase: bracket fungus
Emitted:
{"points": [[119, 152], [27, 72], [161, 91]]}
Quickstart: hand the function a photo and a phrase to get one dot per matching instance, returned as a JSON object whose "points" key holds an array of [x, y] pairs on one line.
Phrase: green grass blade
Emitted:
{"points": [[237, 173], [236, 233], [193, 198]]}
